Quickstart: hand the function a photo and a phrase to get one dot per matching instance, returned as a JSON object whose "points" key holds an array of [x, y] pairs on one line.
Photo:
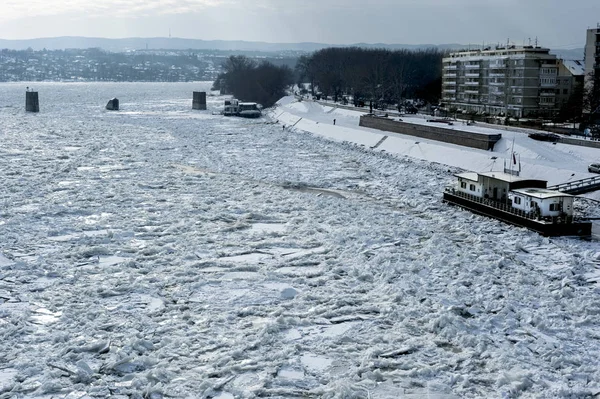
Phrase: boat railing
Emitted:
{"points": [[509, 209]]}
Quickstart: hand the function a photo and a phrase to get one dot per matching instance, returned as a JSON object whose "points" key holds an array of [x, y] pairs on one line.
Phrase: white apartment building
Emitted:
{"points": [[519, 81]]}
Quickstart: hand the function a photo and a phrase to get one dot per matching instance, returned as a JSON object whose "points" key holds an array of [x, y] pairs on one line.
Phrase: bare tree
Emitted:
{"points": [[374, 74], [263, 83]]}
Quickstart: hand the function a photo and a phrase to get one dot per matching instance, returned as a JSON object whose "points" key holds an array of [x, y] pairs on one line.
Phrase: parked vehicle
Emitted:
{"points": [[594, 168], [545, 137]]}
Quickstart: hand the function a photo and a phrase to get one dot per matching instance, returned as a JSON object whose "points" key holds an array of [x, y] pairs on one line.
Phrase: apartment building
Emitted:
{"points": [[570, 74], [519, 81], [592, 60]]}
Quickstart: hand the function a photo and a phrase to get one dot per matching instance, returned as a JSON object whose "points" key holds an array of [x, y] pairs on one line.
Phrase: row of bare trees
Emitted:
{"points": [[583, 104], [373, 74], [248, 80]]}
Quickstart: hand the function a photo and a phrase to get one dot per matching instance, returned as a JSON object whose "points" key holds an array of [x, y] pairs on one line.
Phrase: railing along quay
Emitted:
{"points": [[582, 186]]}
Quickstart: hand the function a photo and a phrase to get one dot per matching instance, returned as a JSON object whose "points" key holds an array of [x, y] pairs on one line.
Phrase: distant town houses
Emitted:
{"points": [[99, 65]]}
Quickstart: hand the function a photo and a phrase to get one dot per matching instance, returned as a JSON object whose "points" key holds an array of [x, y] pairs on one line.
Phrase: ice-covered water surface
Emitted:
{"points": [[163, 252]]}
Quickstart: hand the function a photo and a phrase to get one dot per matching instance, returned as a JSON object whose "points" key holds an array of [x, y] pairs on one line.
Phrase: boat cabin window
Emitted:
{"points": [[472, 187], [463, 184], [518, 200]]}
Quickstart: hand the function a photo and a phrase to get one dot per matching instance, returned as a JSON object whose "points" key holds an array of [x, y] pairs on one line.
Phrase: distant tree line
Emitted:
{"points": [[248, 80], [592, 92], [383, 75]]}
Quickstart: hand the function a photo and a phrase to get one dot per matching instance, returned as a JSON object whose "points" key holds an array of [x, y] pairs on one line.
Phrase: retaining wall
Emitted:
{"points": [[583, 143], [481, 141]]}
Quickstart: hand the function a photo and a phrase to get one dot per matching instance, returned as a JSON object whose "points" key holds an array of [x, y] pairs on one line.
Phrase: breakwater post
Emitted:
{"points": [[199, 101], [32, 103], [113, 104]]}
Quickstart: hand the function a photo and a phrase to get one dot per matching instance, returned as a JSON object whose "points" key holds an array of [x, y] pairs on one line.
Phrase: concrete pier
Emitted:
{"points": [[32, 103], [199, 101]]}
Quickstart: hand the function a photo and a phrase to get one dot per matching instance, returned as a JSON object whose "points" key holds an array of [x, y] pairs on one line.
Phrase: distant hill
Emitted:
{"points": [[138, 43]]}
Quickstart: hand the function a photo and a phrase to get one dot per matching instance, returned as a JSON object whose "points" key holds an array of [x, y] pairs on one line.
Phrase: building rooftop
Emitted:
{"points": [[576, 67], [500, 50]]}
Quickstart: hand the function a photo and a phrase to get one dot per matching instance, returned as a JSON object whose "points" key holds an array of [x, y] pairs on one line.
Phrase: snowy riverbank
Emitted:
{"points": [[556, 163]]}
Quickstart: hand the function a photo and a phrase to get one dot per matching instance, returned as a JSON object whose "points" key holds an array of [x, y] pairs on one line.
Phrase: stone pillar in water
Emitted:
{"points": [[113, 104], [199, 101], [32, 103]]}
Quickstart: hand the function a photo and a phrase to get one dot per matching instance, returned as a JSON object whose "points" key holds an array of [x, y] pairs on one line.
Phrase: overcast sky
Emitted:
{"points": [[556, 24]]}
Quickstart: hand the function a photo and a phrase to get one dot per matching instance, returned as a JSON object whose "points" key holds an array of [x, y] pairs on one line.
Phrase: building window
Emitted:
{"points": [[518, 200], [463, 184], [472, 187]]}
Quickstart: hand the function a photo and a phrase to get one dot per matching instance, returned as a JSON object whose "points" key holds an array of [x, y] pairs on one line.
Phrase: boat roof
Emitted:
{"points": [[468, 176], [506, 177], [502, 176], [540, 193]]}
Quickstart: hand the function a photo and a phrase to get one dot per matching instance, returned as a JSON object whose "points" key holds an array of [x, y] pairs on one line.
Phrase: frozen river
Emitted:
{"points": [[163, 252]]}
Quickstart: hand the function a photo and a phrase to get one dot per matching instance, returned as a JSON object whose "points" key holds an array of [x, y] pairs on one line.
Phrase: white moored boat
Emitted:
{"points": [[519, 201]]}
